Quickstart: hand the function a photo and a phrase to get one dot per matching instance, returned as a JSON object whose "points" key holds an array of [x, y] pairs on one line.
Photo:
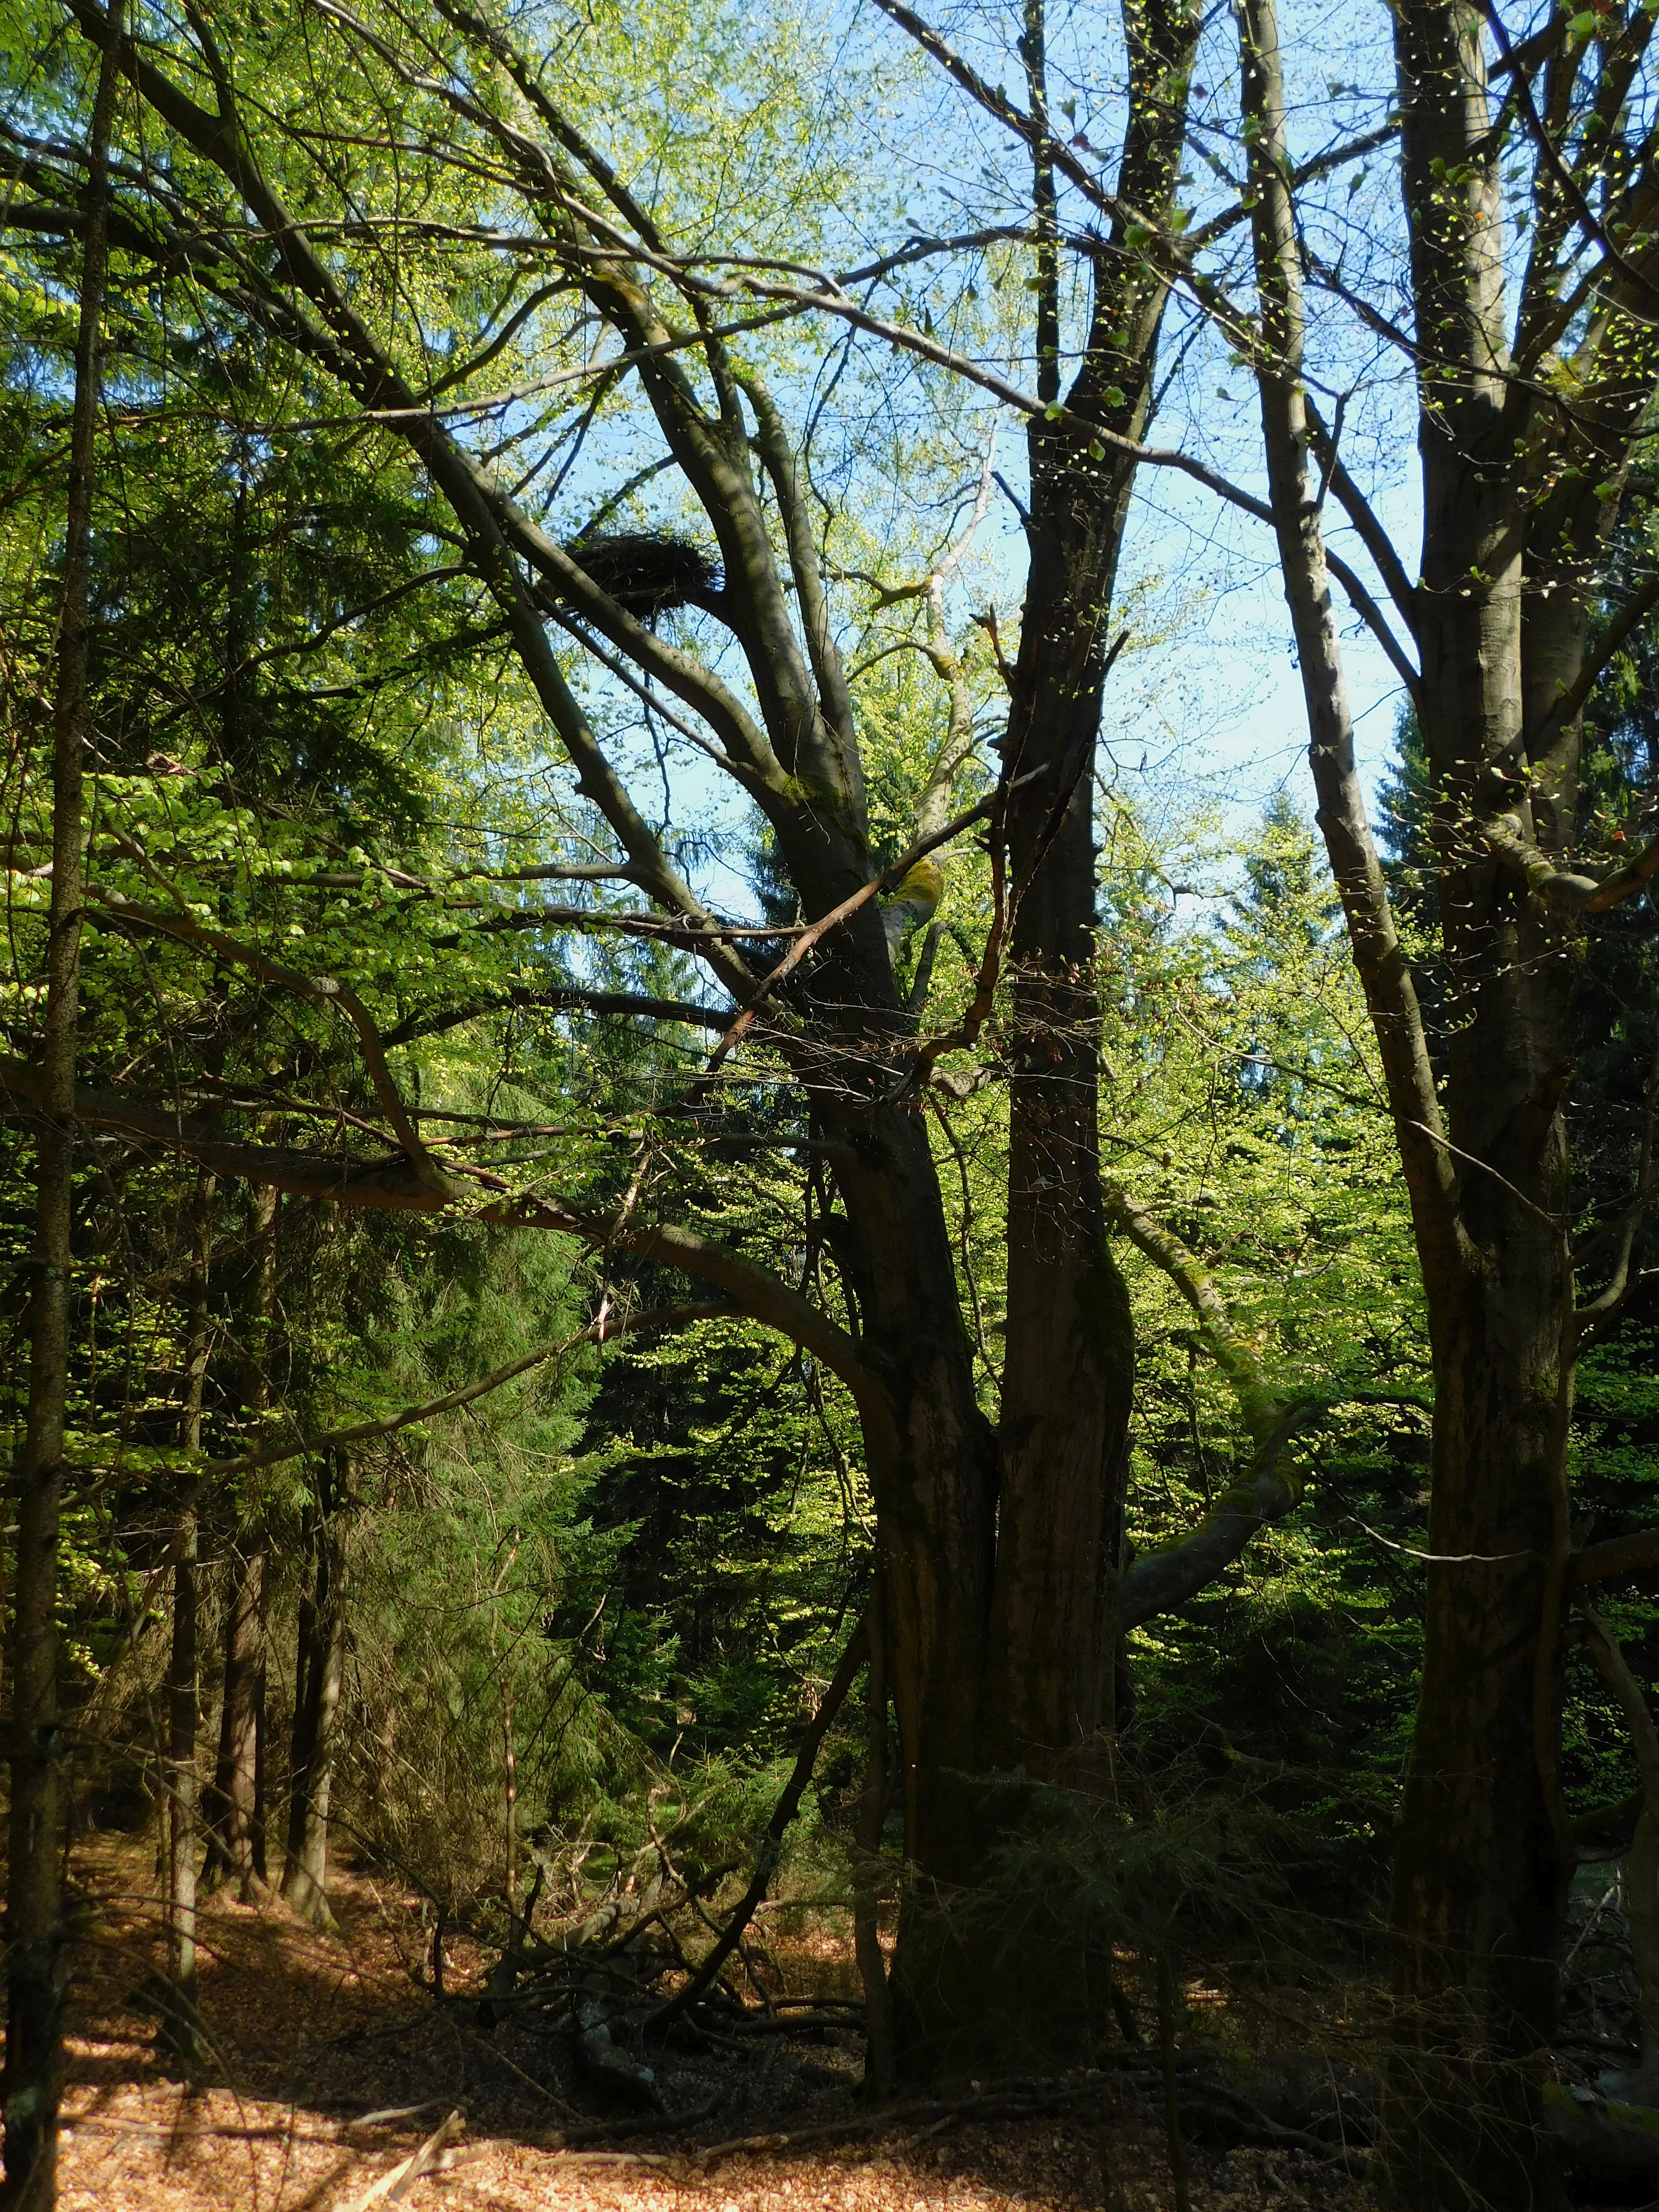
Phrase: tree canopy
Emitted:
{"points": [[623, 1113]]}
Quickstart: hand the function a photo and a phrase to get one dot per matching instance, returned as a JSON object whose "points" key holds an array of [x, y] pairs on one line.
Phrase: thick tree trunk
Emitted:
{"points": [[35, 1932], [319, 1666], [1068, 1376], [1479, 1875], [931, 1454], [932, 1459], [1479, 1880], [1480, 1870]]}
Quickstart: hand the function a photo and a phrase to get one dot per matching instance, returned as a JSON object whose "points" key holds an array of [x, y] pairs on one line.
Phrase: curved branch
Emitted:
{"points": [[391, 1186], [555, 998], [1158, 1581], [605, 1330], [320, 990], [1588, 894], [1262, 1409], [1617, 1555]]}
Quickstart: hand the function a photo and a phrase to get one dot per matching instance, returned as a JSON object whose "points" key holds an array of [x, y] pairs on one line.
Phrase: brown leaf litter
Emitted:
{"points": [[336, 2083]]}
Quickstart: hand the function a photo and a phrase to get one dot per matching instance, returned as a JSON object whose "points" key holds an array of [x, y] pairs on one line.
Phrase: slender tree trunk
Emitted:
{"points": [[183, 1702], [261, 1746], [183, 1696], [1479, 1866], [878, 2047], [319, 1671], [510, 1801], [235, 1809], [33, 1966]]}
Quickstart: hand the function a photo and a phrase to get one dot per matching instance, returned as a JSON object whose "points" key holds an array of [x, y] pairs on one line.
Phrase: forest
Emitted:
{"points": [[828, 1107]]}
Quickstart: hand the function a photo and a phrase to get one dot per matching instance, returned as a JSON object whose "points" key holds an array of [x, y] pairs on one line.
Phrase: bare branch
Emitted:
{"points": [[771, 1849], [1569, 185], [555, 997], [888, 880]]}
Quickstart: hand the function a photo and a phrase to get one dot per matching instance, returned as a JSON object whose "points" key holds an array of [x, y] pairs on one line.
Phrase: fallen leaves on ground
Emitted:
{"points": [[336, 2083]]}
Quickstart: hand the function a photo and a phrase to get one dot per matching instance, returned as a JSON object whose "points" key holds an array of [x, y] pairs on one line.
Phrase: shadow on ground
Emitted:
{"points": [[330, 2064]]}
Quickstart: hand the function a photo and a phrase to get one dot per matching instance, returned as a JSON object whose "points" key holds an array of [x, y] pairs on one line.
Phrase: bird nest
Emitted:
{"points": [[648, 572]]}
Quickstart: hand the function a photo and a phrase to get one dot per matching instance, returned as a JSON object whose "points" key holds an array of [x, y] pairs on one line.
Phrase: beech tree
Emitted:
{"points": [[1517, 224], [470, 253], [1003, 1589], [1531, 350]]}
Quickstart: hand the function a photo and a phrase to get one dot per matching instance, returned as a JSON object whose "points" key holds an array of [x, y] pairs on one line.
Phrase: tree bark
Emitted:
{"points": [[1068, 1377], [236, 1819], [319, 1666], [234, 1808], [183, 1707], [1482, 1860], [878, 2043], [1480, 1874], [35, 1954], [184, 1667]]}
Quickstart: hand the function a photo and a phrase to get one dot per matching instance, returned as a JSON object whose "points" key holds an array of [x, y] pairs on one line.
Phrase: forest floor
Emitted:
{"points": [[330, 2066]]}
